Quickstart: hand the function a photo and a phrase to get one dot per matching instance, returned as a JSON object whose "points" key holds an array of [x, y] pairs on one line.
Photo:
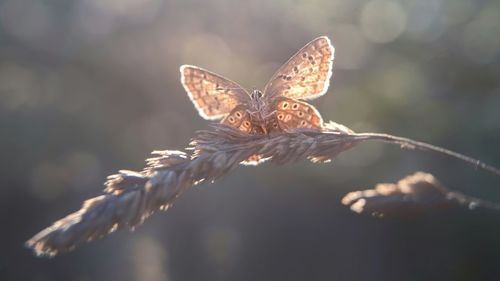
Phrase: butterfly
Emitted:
{"points": [[280, 107]]}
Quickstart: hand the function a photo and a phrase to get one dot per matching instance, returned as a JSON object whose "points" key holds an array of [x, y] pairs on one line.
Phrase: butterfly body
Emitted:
{"points": [[280, 107]]}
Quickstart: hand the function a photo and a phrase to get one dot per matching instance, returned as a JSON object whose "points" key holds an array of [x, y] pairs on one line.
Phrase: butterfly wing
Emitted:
{"points": [[293, 114], [239, 118], [306, 75], [213, 95]]}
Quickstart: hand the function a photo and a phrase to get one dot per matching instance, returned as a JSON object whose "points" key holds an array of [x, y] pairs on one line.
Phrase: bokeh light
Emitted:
{"points": [[90, 87], [383, 21]]}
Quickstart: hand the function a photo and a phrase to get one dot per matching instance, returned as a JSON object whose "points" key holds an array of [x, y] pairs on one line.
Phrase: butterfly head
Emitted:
{"points": [[259, 110], [257, 105], [256, 94]]}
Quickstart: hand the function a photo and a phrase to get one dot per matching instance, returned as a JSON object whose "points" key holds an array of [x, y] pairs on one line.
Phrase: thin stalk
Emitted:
{"points": [[413, 144]]}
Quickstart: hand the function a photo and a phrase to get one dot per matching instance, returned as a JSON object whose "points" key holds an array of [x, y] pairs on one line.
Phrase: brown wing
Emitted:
{"points": [[240, 119], [306, 75], [293, 114], [213, 95]]}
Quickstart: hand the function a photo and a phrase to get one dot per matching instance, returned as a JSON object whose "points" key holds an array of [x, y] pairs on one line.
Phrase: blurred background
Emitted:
{"points": [[90, 87]]}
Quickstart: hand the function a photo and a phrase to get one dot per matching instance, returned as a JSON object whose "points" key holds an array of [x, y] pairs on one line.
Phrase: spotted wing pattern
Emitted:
{"points": [[240, 118], [213, 95], [293, 114], [306, 74]]}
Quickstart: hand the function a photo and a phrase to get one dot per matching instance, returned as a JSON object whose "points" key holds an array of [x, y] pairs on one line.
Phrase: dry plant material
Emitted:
{"points": [[415, 194], [130, 197]]}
